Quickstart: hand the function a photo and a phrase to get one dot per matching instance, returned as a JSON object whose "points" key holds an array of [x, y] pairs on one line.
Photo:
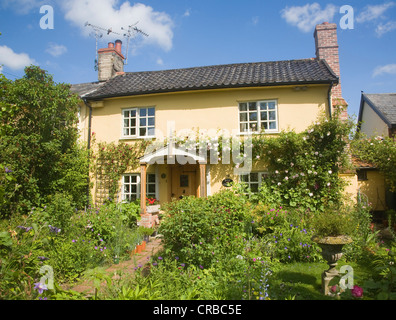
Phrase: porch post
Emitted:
{"points": [[202, 175], [143, 170]]}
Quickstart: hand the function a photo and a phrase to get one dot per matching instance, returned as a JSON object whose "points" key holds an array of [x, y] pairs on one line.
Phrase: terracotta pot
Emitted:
{"points": [[139, 248], [143, 245]]}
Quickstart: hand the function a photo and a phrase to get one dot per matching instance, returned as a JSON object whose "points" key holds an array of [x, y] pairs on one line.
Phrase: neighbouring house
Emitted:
{"points": [[377, 118], [239, 99]]}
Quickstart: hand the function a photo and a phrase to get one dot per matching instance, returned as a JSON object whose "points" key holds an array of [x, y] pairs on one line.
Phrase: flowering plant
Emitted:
{"points": [[151, 201]]}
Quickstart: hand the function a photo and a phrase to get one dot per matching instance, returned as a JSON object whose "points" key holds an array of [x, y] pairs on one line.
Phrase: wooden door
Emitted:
{"points": [[184, 181]]}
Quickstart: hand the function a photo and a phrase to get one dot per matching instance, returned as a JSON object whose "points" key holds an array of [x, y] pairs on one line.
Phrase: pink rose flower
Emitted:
{"points": [[357, 291]]}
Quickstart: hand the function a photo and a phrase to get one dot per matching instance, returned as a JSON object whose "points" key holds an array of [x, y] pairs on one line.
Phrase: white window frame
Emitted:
{"points": [[257, 112], [259, 182], [125, 193], [150, 128]]}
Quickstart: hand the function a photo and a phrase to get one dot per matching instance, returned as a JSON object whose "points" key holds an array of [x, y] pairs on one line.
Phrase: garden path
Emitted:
{"points": [[152, 247]]}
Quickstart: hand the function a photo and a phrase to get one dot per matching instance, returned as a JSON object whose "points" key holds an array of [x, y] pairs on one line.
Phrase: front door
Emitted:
{"points": [[184, 181]]}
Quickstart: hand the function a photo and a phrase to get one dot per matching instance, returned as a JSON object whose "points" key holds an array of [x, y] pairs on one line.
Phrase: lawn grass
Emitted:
{"points": [[302, 281]]}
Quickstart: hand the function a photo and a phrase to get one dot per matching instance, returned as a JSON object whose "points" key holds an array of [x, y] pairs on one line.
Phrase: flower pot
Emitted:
{"points": [[143, 245], [153, 208], [331, 252], [139, 248]]}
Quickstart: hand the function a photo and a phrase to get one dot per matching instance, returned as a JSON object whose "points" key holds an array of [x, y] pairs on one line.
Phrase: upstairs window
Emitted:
{"points": [[138, 122], [258, 116]]}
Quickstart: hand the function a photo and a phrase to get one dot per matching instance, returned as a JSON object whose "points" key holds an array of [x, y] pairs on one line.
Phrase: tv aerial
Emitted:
{"points": [[97, 34], [131, 32]]}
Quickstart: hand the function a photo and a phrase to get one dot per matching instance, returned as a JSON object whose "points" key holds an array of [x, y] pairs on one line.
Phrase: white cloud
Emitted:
{"points": [[384, 28], [108, 14], [160, 62], [387, 69], [15, 61], [55, 49], [187, 13], [307, 17], [374, 12]]}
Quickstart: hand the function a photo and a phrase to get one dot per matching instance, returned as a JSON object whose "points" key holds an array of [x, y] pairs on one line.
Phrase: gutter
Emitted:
{"points": [[89, 145], [329, 98]]}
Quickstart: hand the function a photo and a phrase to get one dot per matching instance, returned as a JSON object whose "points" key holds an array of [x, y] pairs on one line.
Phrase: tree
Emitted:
{"points": [[38, 129]]}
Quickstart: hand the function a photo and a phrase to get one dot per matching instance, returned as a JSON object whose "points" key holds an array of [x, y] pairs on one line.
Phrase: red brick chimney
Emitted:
{"points": [[110, 61], [326, 43]]}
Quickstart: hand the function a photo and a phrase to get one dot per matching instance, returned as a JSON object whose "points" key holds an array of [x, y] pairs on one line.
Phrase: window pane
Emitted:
{"points": [[263, 106], [133, 113], [143, 122], [151, 178], [126, 188], [264, 125], [133, 179], [151, 132], [254, 187], [134, 188], [151, 188], [272, 115], [254, 177], [133, 122], [253, 126], [245, 178], [264, 116], [272, 125], [184, 180], [126, 114], [151, 121], [143, 132], [126, 123], [243, 117], [271, 106], [133, 132], [253, 116], [151, 112], [252, 106], [244, 127], [126, 132], [126, 179], [143, 112], [243, 107]]}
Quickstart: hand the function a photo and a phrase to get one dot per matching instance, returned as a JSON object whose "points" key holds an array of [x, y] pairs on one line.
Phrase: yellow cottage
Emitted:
{"points": [[235, 99]]}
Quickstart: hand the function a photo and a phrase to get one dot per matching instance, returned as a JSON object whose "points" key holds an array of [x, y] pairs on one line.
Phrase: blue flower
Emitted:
{"points": [[40, 287]]}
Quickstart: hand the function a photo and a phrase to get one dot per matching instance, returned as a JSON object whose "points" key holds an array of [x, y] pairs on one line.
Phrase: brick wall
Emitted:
{"points": [[327, 48]]}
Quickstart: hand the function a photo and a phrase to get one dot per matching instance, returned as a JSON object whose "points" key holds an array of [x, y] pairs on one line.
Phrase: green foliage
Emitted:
{"points": [[110, 161], [381, 152], [304, 167], [38, 125], [332, 222], [197, 229]]}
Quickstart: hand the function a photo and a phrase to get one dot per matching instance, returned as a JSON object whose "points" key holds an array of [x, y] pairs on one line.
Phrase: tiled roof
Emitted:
{"points": [[385, 103], [82, 89], [306, 71]]}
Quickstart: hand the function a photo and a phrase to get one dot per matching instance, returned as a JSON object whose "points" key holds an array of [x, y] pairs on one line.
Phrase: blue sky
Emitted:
{"points": [[185, 33]]}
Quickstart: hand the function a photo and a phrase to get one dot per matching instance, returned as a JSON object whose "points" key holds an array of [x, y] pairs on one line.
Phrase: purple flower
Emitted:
{"points": [[155, 263], [182, 265], [201, 267], [159, 258], [40, 287], [42, 258], [7, 170]]}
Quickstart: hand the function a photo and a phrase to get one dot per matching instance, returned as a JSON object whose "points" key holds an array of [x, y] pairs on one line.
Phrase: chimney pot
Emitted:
{"points": [[118, 45], [110, 45]]}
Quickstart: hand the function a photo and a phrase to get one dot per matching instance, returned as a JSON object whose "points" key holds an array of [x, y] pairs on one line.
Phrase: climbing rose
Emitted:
{"points": [[357, 292]]}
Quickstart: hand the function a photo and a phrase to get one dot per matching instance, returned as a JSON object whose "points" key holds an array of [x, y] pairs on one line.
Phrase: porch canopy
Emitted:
{"points": [[171, 155]]}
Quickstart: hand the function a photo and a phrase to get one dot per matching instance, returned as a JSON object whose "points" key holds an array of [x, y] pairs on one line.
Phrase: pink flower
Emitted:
{"points": [[334, 289], [357, 292]]}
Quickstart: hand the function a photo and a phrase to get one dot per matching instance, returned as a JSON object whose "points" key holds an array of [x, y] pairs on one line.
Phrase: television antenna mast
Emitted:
{"points": [[132, 31], [97, 34]]}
